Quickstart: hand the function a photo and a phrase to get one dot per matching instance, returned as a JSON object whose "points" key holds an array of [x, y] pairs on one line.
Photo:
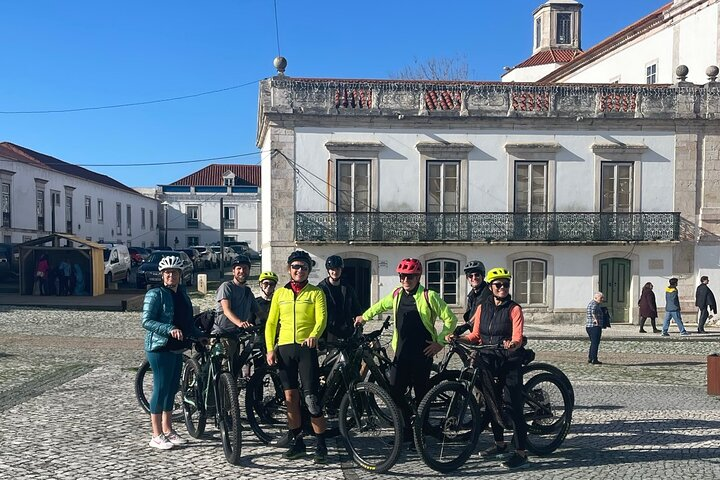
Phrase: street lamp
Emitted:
{"points": [[165, 205]]}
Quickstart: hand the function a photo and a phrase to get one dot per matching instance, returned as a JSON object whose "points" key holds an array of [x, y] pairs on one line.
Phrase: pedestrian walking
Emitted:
{"points": [[704, 299], [672, 309], [648, 307], [594, 326]]}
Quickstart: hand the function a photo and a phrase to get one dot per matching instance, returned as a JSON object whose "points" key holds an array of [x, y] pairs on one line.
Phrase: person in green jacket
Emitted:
{"points": [[303, 311], [415, 340]]}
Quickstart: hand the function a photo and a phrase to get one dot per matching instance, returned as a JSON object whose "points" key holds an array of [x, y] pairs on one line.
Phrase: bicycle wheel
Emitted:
{"points": [[540, 367], [547, 411], [228, 411], [265, 405], [144, 388], [371, 426], [191, 387], [447, 426]]}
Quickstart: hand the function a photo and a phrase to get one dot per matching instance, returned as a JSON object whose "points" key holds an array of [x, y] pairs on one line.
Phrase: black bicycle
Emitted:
{"points": [[453, 414], [144, 388], [368, 419], [209, 389]]}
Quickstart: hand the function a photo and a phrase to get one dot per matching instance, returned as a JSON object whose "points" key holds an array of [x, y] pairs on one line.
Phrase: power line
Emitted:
{"points": [[179, 162], [277, 29], [123, 105]]}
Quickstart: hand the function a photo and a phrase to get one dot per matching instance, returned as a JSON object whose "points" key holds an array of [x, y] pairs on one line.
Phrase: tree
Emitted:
{"points": [[442, 68]]}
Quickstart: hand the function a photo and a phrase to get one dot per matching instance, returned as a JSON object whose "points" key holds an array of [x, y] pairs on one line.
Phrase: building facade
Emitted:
{"points": [[574, 188], [193, 207], [42, 195]]}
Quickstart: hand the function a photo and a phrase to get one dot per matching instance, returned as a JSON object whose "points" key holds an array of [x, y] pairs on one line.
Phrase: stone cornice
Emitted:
{"points": [[356, 148], [618, 148], [526, 148], [448, 151]]}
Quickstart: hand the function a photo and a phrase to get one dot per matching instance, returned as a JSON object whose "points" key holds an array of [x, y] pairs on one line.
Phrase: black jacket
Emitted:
{"points": [[704, 298], [341, 327]]}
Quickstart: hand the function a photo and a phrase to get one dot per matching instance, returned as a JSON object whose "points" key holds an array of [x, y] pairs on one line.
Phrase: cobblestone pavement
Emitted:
{"points": [[68, 409]]}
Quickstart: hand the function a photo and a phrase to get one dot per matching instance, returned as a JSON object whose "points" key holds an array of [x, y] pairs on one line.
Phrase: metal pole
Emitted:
{"points": [[222, 238], [166, 227]]}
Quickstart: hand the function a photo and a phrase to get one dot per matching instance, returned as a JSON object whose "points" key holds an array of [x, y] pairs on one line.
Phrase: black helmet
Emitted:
{"points": [[240, 260], [334, 261], [475, 266], [303, 256]]}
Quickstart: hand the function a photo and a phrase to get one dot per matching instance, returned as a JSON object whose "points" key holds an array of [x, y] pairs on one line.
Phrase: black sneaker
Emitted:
{"points": [[320, 456], [281, 442], [516, 461], [496, 451], [296, 450]]}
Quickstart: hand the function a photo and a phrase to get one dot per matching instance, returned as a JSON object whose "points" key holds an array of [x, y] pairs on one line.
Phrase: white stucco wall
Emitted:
{"points": [[530, 74], [696, 47]]}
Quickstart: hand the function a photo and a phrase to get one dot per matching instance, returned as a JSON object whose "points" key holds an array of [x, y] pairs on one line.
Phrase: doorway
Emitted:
{"points": [[615, 284], [357, 274]]}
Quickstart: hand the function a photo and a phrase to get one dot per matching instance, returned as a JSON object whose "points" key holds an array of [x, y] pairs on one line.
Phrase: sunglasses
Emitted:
{"points": [[474, 275], [299, 266], [408, 275], [267, 284], [501, 284]]}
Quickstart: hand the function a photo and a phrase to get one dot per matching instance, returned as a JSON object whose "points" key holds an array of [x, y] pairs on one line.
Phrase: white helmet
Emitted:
{"points": [[170, 262]]}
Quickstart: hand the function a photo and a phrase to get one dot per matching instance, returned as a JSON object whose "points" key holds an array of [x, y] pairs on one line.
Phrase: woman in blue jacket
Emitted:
{"points": [[167, 319]]}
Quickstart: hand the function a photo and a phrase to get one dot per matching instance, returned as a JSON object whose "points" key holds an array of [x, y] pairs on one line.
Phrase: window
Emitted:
{"points": [[229, 217], [152, 219], [5, 204], [353, 186], [142, 218], [118, 218], [100, 211], [68, 214], [564, 35], [128, 220], [443, 192], [88, 209], [538, 31], [193, 241], [442, 276], [529, 280], [40, 208], [192, 214], [229, 181], [616, 187], [651, 73], [530, 187]]}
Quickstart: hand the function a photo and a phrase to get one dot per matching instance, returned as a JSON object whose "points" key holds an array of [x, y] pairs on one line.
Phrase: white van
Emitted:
{"points": [[117, 263]]}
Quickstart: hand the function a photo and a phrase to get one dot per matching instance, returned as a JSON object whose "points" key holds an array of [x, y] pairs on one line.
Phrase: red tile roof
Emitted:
{"points": [[40, 160], [626, 34], [212, 175], [553, 55]]}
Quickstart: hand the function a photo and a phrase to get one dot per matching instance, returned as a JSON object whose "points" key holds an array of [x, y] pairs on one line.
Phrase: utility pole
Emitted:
{"points": [[222, 239]]}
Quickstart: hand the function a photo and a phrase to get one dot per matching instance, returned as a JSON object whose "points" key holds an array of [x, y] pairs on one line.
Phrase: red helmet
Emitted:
{"points": [[409, 266]]}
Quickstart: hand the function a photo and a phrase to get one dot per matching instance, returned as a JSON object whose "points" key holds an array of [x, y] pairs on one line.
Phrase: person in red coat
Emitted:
{"points": [[648, 308]]}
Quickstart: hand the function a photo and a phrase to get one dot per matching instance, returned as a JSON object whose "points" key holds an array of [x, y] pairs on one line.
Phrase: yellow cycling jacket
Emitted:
{"points": [[302, 316], [437, 307]]}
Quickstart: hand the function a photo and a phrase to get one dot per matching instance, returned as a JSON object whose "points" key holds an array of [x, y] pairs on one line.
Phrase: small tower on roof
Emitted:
{"points": [[556, 24]]}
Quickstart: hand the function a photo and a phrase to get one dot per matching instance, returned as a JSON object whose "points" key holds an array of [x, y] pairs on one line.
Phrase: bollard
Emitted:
{"points": [[713, 374], [202, 283]]}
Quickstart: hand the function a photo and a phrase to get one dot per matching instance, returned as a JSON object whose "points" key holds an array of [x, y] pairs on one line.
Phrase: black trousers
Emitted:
{"points": [[409, 372], [594, 333], [702, 319]]}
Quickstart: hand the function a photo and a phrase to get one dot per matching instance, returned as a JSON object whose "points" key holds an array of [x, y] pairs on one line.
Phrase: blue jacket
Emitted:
{"points": [[672, 303], [157, 317]]}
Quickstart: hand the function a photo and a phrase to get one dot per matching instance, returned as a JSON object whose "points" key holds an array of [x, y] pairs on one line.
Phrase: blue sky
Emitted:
{"points": [[60, 55]]}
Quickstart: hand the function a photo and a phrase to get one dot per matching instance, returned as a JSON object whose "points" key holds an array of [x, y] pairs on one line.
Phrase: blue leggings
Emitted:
{"points": [[166, 368]]}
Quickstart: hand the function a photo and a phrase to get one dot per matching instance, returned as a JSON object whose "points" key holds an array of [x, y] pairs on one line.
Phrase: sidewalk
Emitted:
{"points": [[621, 332], [117, 301]]}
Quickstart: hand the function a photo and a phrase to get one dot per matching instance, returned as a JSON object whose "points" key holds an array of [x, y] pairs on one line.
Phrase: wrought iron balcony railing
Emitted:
{"points": [[486, 227]]}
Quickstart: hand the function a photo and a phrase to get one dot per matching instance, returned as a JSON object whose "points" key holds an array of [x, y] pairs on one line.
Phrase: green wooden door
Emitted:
{"points": [[615, 284]]}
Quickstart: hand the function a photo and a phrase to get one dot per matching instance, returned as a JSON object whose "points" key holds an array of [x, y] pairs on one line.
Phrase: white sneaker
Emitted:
{"points": [[174, 438], [161, 442]]}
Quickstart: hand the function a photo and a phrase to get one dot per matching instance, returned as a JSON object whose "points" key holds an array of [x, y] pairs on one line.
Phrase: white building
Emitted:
{"points": [[574, 188], [191, 206], [42, 194]]}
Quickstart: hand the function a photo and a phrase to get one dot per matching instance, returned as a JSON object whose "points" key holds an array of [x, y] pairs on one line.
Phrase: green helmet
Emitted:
{"points": [[272, 276]]}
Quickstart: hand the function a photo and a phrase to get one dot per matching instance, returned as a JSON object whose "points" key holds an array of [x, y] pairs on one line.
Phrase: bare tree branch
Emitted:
{"points": [[443, 68]]}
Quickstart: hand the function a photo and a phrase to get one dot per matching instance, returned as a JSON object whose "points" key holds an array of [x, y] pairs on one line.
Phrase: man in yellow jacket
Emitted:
{"points": [[302, 308], [415, 340]]}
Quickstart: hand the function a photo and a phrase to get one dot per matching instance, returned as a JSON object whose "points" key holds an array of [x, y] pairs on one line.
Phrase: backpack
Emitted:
{"points": [[396, 292], [205, 321]]}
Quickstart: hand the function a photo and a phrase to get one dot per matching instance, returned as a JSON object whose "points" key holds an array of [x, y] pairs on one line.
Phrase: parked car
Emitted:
{"points": [[253, 255], [194, 255], [149, 276], [117, 263], [208, 257], [138, 255], [229, 255]]}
